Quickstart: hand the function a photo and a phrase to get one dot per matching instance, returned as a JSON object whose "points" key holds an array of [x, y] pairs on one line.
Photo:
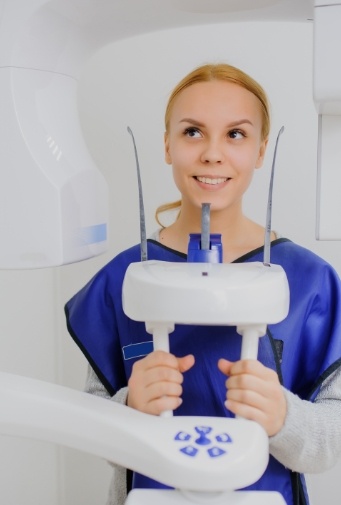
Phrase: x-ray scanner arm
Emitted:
{"points": [[206, 458]]}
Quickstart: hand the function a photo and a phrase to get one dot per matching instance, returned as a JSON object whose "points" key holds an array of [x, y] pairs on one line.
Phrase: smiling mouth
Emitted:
{"points": [[212, 182]]}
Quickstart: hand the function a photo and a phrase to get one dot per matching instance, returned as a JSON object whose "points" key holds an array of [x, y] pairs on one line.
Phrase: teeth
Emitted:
{"points": [[207, 180]]}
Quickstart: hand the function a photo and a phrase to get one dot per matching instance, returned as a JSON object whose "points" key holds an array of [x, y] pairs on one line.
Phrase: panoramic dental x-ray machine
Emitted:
{"points": [[205, 460]]}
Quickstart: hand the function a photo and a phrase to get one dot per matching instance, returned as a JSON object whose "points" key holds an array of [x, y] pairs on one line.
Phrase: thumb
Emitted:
{"points": [[225, 366], [186, 362]]}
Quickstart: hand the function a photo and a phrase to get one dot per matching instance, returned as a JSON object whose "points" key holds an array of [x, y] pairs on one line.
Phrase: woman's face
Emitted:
{"points": [[214, 143]]}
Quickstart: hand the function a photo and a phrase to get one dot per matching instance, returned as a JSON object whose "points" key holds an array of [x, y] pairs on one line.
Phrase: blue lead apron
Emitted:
{"points": [[304, 349]]}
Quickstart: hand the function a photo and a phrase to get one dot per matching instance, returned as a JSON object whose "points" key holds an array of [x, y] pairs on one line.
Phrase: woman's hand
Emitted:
{"points": [[254, 392], [155, 384]]}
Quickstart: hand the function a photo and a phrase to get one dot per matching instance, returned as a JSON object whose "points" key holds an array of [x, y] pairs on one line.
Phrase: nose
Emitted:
{"points": [[213, 152]]}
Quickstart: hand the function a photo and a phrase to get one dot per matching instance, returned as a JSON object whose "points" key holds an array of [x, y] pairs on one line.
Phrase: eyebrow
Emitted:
{"points": [[233, 124]]}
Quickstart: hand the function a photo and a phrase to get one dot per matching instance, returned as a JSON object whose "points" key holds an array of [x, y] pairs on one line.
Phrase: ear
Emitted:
{"points": [[261, 155], [168, 157]]}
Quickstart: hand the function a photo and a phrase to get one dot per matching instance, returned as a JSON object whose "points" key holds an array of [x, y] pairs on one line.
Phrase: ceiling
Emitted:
{"points": [[126, 18]]}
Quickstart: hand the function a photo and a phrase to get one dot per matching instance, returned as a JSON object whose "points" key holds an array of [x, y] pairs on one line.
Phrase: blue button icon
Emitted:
{"points": [[214, 452], [189, 451], [182, 436], [224, 438]]}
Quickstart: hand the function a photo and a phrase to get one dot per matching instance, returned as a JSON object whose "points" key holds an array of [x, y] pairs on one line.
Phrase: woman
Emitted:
{"points": [[217, 127]]}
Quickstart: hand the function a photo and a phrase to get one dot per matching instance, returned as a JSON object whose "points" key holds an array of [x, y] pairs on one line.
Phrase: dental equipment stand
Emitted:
{"points": [[205, 291], [248, 296]]}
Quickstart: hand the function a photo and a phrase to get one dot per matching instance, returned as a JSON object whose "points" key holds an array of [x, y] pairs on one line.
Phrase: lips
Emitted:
{"points": [[212, 181]]}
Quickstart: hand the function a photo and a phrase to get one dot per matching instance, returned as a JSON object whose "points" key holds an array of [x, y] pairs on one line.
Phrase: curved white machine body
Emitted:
{"points": [[168, 450], [54, 200]]}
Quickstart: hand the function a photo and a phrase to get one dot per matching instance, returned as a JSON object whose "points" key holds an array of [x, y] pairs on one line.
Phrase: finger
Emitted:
{"points": [[248, 397], [154, 360], [247, 411], [245, 382], [249, 366], [159, 405], [267, 388], [159, 358], [144, 389], [160, 389], [245, 366], [186, 362], [161, 396], [162, 374], [142, 379]]}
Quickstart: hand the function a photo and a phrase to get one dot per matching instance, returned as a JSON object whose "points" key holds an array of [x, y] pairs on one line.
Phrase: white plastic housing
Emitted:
{"points": [[205, 293], [53, 199]]}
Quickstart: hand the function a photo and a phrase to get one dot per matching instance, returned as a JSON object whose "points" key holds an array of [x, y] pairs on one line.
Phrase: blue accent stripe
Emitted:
{"points": [[137, 350], [94, 234]]}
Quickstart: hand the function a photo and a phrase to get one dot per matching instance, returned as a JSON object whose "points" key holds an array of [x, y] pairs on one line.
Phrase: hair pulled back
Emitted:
{"points": [[218, 72]]}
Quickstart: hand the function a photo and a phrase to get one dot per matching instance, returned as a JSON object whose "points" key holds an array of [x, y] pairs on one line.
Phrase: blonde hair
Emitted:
{"points": [[219, 72]]}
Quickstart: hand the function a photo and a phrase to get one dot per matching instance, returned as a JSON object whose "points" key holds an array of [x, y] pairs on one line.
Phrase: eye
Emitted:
{"points": [[236, 134], [192, 132]]}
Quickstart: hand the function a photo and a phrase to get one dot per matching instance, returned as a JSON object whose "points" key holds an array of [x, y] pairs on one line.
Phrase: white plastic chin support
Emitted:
{"points": [[246, 295]]}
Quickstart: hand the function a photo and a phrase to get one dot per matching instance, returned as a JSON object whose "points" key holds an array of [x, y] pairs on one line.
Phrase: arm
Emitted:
{"points": [[95, 387], [304, 436], [310, 440], [118, 485]]}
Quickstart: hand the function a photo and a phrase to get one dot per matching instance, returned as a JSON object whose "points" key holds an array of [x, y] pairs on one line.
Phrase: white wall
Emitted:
{"points": [[29, 345], [127, 83]]}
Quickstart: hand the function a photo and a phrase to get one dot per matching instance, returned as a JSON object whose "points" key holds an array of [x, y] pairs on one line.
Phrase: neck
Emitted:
{"points": [[240, 235]]}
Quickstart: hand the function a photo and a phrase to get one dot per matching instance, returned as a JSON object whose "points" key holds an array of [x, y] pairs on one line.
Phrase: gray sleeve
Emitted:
{"points": [[95, 387], [118, 486], [310, 441]]}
